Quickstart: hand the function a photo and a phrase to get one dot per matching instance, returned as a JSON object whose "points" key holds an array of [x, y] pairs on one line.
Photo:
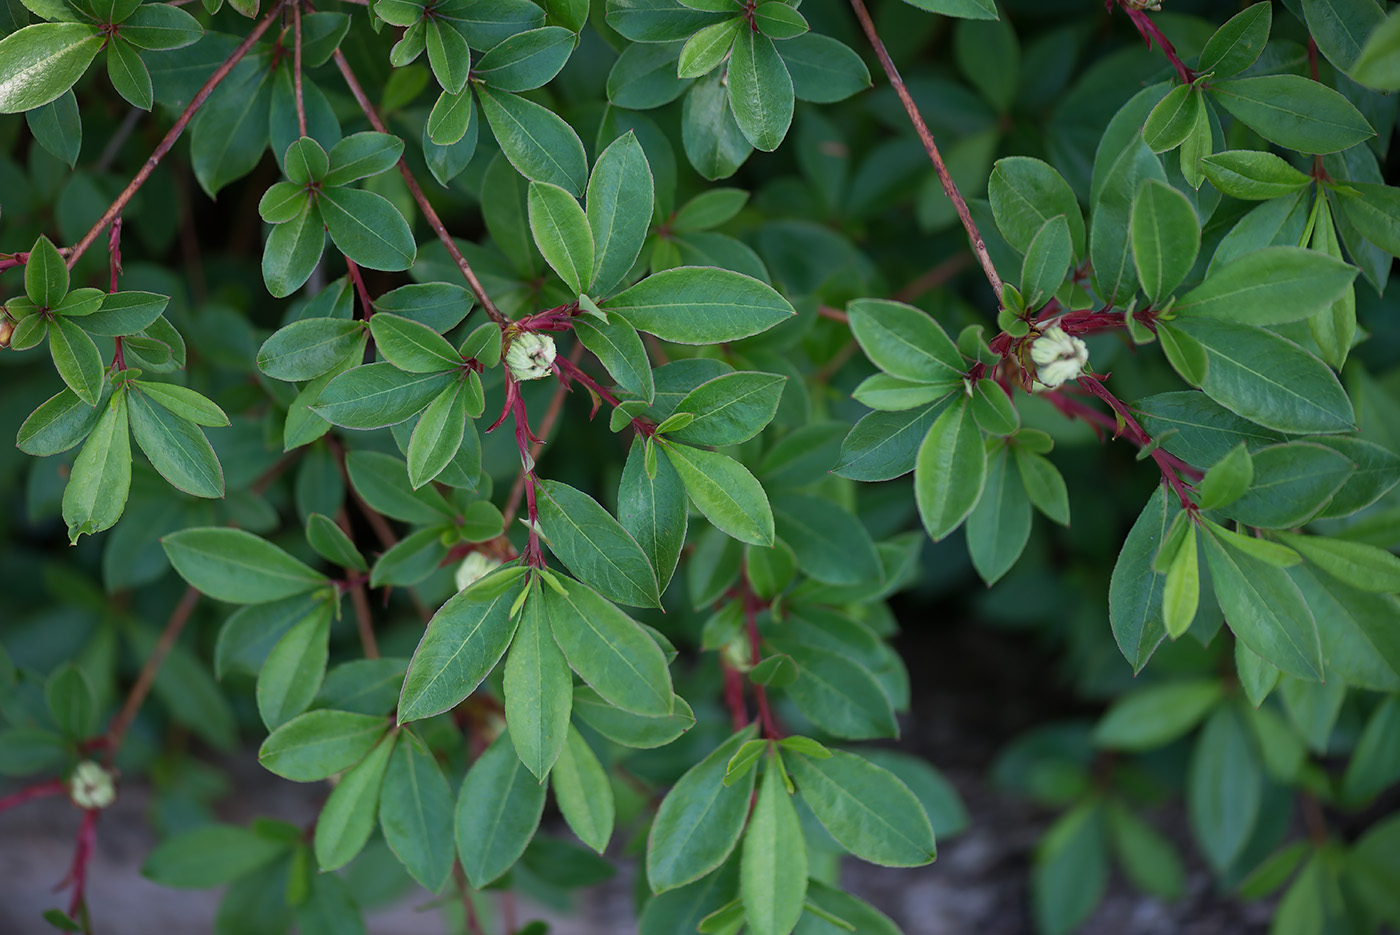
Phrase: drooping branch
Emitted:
{"points": [[147, 677], [168, 141], [950, 188], [421, 199]]}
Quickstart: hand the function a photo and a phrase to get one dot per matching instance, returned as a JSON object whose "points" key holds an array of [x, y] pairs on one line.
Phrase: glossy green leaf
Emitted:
{"points": [[1166, 236], [773, 863], [905, 342], [176, 448], [838, 694], [652, 508], [1290, 484], [367, 228], [236, 566], [1356, 564], [1271, 286], [1000, 524], [700, 305], [498, 810], [294, 669], [1294, 112], [1047, 260], [562, 233], [866, 808], [1253, 175], [42, 61], [1237, 44], [540, 145], [320, 743], [412, 346], [725, 492], [293, 250], [76, 358], [527, 60], [376, 395], [464, 641], [305, 349], [539, 690], [713, 142], [950, 472], [707, 48], [829, 544], [620, 199]]}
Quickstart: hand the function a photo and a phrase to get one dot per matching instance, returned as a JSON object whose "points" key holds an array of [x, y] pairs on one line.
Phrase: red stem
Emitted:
{"points": [[168, 141], [1151, 33], [734, 696], [765, 713], [1138, 434], [37, 791]]}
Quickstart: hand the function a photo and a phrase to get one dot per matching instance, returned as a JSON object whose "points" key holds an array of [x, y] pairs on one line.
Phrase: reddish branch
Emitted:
{"points": [[296, 68], [950, 188], [752, 604], [1150, 34], [116, 733], [416, 191], [181, 122], [551, 415], [1137, 434]]}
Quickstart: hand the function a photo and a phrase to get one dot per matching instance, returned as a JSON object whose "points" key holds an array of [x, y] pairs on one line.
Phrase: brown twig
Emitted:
{"points": [[168, 141], [296, 68], [416, 191], [950, 188], [116, 733], [363, 622]]}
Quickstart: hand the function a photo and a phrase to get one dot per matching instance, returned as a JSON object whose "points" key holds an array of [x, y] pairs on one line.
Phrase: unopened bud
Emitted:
{"points": [[1058, 357], [530, 356], [475, 567], [1153, 5], [7, 328], [91, 786]]}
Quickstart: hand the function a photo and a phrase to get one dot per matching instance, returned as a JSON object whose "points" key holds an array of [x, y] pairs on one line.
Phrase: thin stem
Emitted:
{"points": [[1151, 33], [116, 733], [734, 696], [416, 191], [551, 415], [360, 290], [1139, 435], [950, 188], [468, 906], [296, 68], [363, 623], [37, 791], [765, 713], [168, 141]]}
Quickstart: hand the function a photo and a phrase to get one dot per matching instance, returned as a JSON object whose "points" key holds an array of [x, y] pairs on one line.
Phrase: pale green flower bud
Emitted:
{"points": [[1058, 357], [475, 567], [530, 356], [91, 786]]}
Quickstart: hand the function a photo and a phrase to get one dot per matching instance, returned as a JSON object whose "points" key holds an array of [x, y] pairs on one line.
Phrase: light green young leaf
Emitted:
{"points": [[621, 194], [583, 792], [773, 866], [562, 233], [348, 817]]}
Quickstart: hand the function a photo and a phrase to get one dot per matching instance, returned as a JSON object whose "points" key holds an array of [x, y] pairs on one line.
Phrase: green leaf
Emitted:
{"points": [[305, 349], [1361, 566], [1000, 524], [45, 274], [621, 194], [27, 750], [1269, 379], [823, 69], [1370, 209], [76, 358], [1135, 590], [1110, 239], [950, 472], [1047, 260], [72, 701], [1044, 484], [159, 26], [1223, 787], [653, 508], [1374, 766], [231, 131], [1271, 286], [628, 729], [320, 743], [361, 155], [367, 228], [905, 342], [700, 820], [644, 76], [778, 20], [583, 792], [619, 349], [1265, 609], [655, 20], [760, 90], [1294, 112], [1148, 858], [129, 75], [101, 476], [731, 408], [608, 649], [1166, 237], [527, 60], [838, 694], [1070, 870], [125, 313], [1156, 715], [464, 641], [830, 544], [294, 670], [305, 162], [884, 445], [415, 814], [1253, 175], [1291, 483], [1173, 119], [725, 492], [58, 424], [293, 250], [707, 48], [1340, 27], [540, 145], [1227, 479], [177, 448], [412, 346], [498, 811], [448, 54], [348, 817], [539, 690], [1025, 193], [332, 544], [700, 305], [39, 63], [209, 856], [1237, 44], [236, 566], [773, 865], [438, 435], [967, 9], [58, 127], [866, 808], [713, 142], [382, 480], [595, 547], [562, 233], [1376, 66], [453, 120], [376, 395]]}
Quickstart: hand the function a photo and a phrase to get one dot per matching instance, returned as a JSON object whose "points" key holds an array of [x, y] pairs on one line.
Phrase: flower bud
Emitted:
{"points": [[1153, 5], [475, 567], [91, 786], [1058, 357], [7, 328], [530, 356]]}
